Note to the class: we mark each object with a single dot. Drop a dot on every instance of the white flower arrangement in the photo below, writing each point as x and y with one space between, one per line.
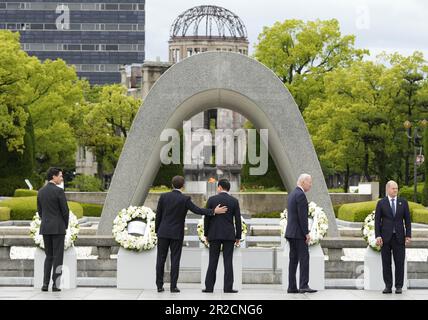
203 239
70 236
317 223
128 241
369 232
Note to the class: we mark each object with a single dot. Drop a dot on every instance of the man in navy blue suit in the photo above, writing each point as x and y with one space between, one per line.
170 220
224 230
297 234
390 214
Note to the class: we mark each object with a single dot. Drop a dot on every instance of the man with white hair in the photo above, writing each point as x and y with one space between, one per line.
297 234
390 214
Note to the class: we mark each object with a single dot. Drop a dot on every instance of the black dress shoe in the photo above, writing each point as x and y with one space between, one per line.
398 290
175 290
161 289
231 291
307 290
45 288
55 289
292 291
387 290
207 291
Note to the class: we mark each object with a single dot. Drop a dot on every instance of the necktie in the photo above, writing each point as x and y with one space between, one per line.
393 206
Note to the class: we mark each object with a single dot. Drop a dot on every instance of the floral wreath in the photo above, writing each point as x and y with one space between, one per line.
203 239
317 223
70 235
128 241
369 232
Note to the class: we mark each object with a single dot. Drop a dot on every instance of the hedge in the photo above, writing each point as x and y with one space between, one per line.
336 208
91 210
19 193
420 216
407 192
357 212
275 214
24 208
4 214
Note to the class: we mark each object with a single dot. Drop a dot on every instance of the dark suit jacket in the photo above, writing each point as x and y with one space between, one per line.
221 227
385 222
53 210
297 218
171 214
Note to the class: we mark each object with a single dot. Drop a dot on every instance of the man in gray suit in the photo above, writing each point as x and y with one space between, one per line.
53 211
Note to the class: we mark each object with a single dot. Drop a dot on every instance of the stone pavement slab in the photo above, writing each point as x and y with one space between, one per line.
193 292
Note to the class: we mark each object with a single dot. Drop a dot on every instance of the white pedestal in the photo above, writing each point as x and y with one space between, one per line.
373 273
316 267
237 269
136 270
69 269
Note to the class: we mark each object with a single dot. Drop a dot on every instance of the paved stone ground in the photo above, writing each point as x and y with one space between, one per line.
193 292
350 254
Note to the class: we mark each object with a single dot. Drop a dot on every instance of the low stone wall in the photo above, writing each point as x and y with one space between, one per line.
250 203
260 265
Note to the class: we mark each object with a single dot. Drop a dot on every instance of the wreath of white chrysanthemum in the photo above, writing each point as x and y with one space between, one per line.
369 232
130 242
203 239
317 223
70 236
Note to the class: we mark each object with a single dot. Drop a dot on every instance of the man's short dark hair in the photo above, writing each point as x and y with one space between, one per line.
224 184
52 172
178 182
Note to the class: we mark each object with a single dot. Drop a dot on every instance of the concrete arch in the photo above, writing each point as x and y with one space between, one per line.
207 81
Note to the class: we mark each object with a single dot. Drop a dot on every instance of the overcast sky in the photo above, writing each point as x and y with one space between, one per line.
390 25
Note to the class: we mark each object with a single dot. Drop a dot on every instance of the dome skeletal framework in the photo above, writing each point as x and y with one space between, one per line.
208 21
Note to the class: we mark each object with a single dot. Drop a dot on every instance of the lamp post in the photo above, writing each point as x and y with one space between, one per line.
416 140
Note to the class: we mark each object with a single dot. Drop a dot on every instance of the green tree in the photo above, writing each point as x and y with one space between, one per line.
302 53
354 126
55 99
15 69
105 124
412 100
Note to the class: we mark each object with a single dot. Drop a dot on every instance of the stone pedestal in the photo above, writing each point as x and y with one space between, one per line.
136 270
316 267
373 274
69 269
237 269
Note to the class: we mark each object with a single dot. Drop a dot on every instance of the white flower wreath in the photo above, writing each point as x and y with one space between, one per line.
128 241
203 239
317 223
369 232
70 236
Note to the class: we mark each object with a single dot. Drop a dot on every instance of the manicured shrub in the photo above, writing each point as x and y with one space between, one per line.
357 212
4 214
92 210
24 208
19 193
420 216
86 183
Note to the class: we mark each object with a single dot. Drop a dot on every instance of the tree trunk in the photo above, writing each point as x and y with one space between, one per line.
346 181
366 164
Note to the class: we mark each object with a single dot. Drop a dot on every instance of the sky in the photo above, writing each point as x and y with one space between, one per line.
379 25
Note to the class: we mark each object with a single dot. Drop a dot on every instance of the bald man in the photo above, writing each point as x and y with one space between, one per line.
391 212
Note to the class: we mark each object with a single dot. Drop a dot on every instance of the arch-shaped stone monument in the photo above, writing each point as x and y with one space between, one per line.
208 81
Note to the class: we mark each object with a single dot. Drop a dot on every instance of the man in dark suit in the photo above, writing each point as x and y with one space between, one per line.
53 211
390 213
170 219
297 234
222 231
